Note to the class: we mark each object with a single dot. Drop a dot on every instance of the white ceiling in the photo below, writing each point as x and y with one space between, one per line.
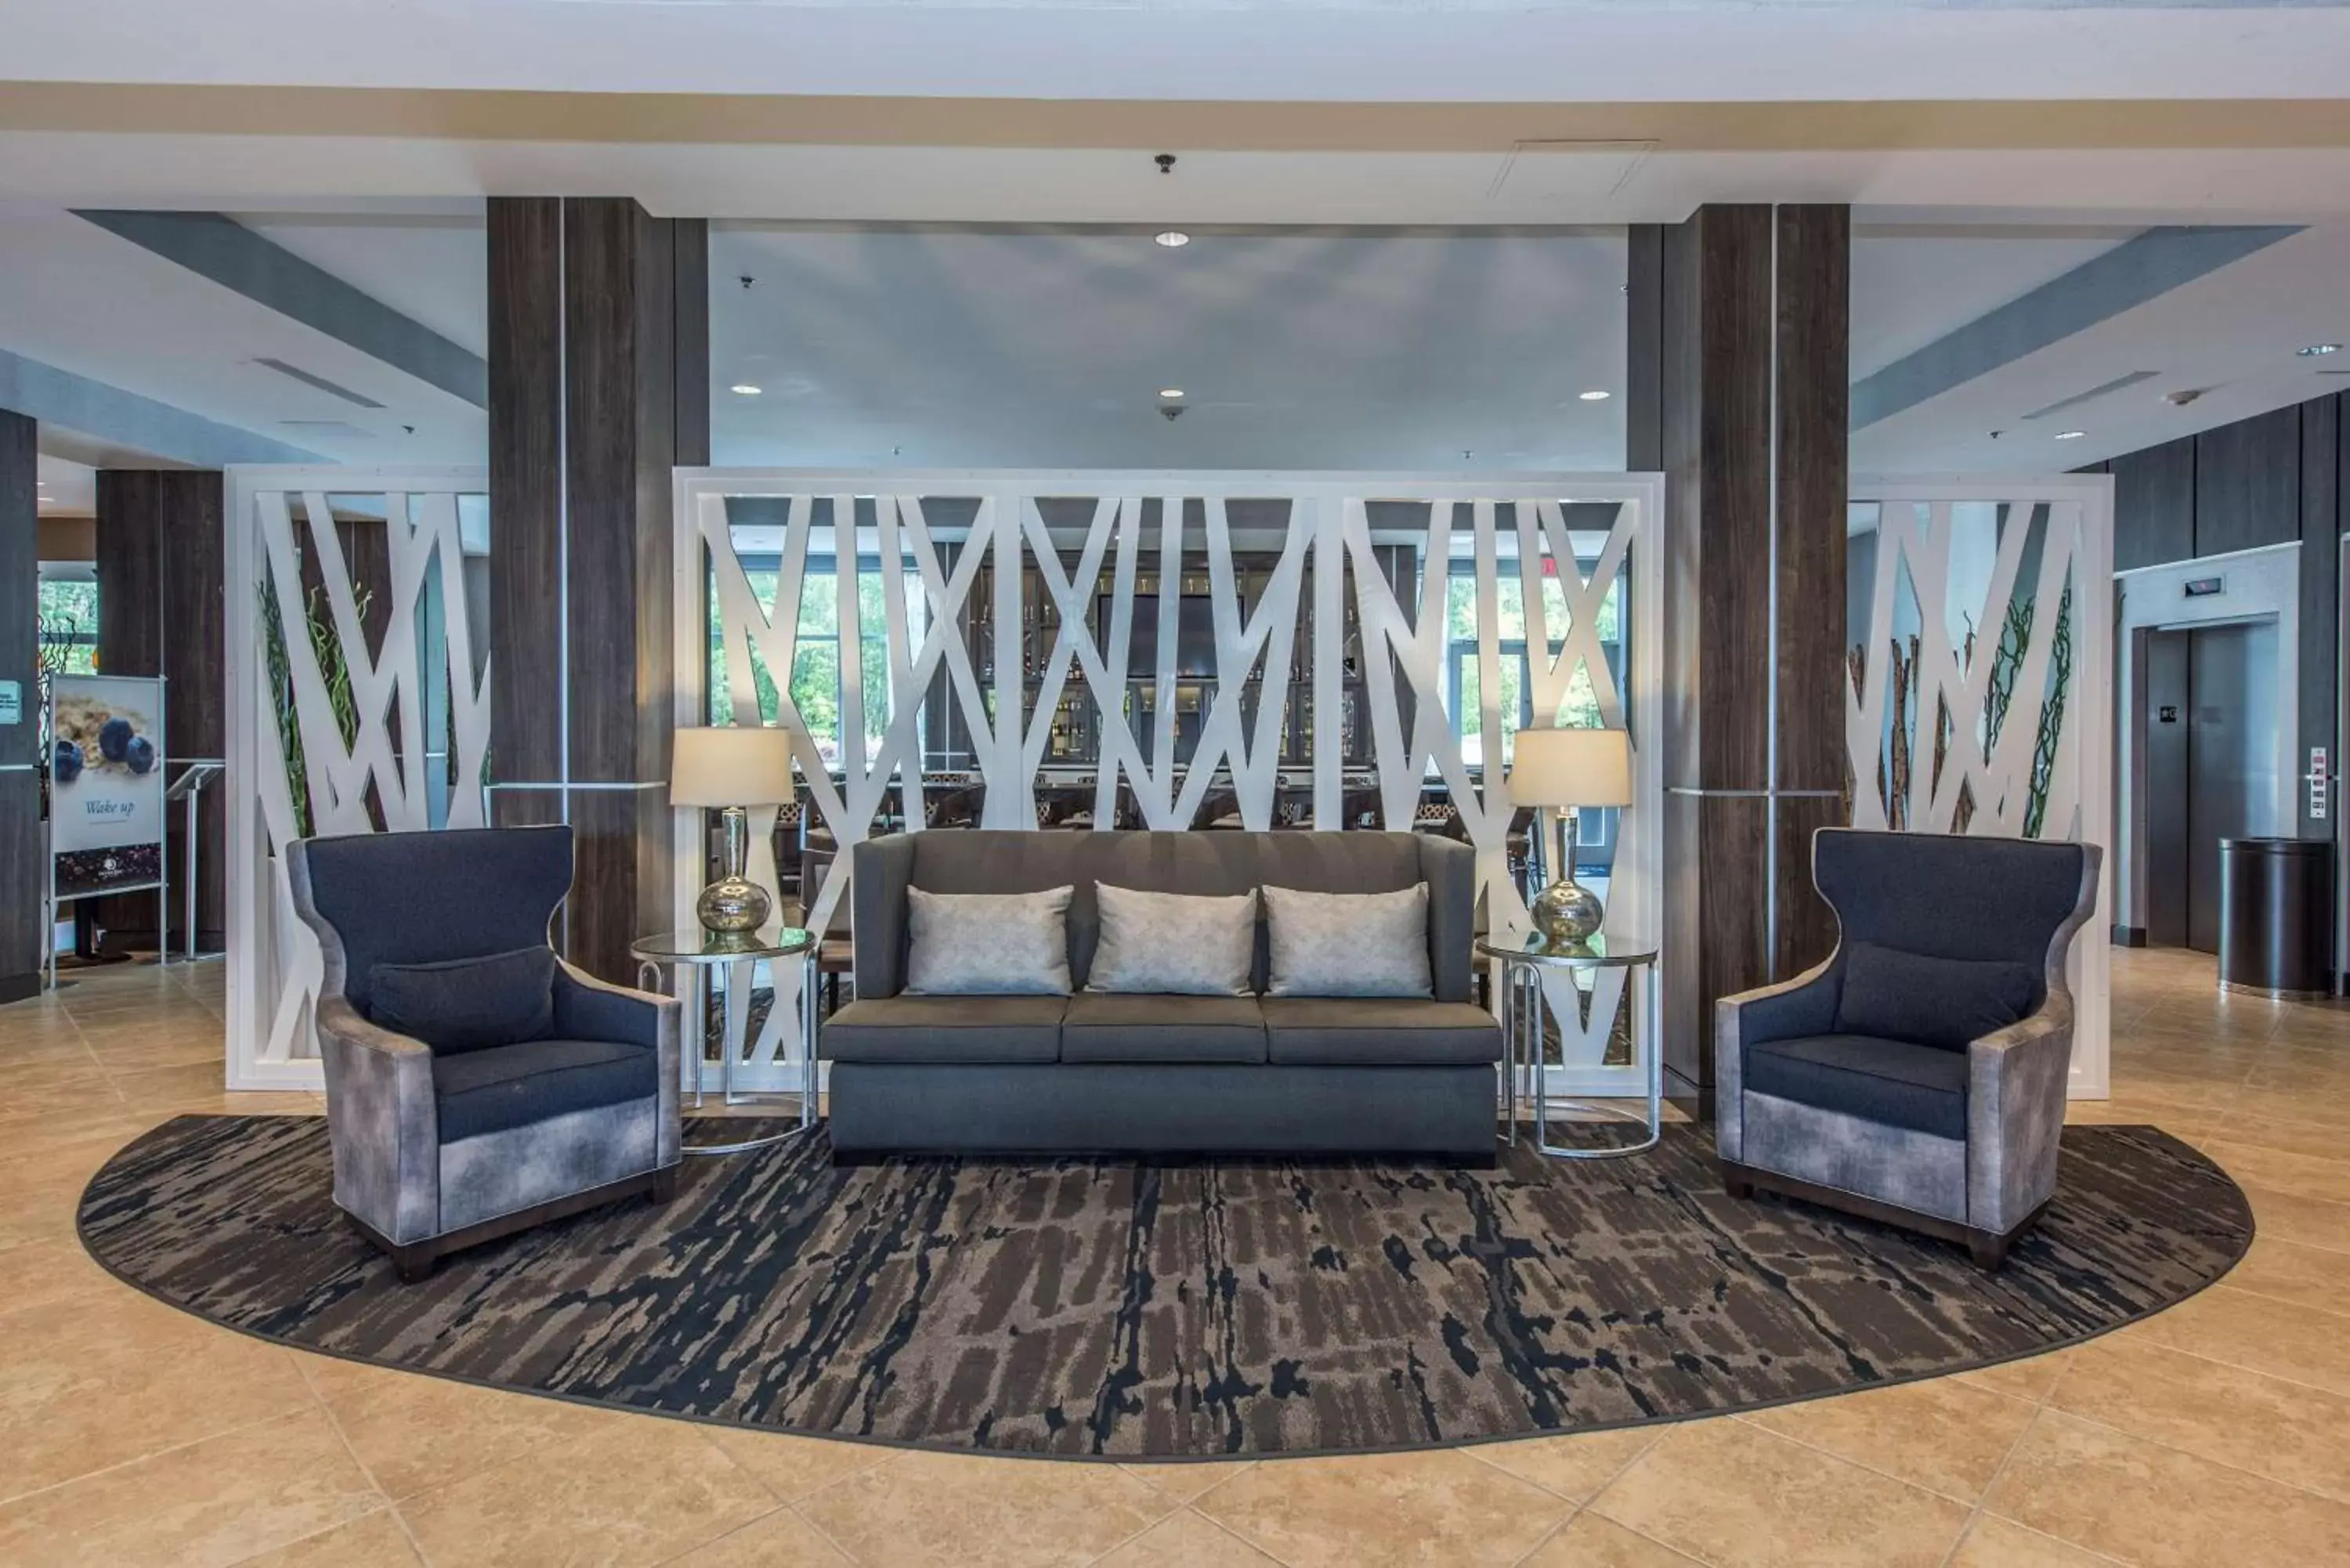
1352 50
82 300
429 266
959 350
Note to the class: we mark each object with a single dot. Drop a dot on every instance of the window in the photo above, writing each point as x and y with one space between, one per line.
815 678
1581 707
67 616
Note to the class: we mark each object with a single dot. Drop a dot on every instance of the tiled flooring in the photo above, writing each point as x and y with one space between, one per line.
2218 1433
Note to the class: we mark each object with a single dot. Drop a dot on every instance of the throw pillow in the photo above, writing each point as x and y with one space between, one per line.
988 944
1349 944
1937 1001
467 1005
1174 943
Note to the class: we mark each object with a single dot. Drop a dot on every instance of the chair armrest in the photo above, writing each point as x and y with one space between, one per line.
586 1008
2015 1114
383 1123
1805 1005
882 869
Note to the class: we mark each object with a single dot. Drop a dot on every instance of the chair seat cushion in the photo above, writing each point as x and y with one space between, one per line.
507 1086
1373 1031
943 1029
1890 1082
1142 1027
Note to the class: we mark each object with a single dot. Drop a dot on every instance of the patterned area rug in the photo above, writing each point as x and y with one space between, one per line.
1087 1308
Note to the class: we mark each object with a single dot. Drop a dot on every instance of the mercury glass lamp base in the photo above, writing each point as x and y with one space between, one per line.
1566 914
733 904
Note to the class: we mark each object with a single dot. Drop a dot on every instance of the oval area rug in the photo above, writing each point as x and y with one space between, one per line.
1106 1309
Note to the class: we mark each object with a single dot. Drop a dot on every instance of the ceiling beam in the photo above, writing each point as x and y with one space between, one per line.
2138 269
109 414
217 246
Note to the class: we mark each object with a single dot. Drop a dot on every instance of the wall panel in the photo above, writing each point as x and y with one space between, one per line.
2248 483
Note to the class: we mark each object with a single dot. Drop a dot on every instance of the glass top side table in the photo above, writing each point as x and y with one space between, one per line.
1523 969
736 955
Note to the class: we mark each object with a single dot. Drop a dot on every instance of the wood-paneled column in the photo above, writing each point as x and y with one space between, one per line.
598 384
1738 392
24 882
161 611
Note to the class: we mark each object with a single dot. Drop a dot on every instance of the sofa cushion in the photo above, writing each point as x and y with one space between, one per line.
1124 1027
1160 944
1891 1082
946 1029
988 944
1370 1032
1939 1001
505 1086
1349 944
467 1003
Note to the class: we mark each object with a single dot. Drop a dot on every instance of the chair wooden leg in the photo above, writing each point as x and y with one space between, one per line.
413 1263
664 1186
1736 1185
1989 1249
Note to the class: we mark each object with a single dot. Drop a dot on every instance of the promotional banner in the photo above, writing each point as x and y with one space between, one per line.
105 775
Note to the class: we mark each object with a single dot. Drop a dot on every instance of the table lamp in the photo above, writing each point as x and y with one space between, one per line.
1567 769
730 768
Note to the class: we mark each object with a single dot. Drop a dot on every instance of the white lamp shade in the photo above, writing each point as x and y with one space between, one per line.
731 765
1571 767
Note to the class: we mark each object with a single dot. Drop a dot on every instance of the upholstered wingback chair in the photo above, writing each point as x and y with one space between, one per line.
1919 1075
475 1082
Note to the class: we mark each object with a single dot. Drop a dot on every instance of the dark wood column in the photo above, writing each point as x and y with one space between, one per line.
598 384
1738 393
161 612
24 882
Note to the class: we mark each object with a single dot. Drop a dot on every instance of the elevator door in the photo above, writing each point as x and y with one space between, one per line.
2209 720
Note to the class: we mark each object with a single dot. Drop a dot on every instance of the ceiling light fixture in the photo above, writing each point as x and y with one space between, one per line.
2070 435
1173 239
1171 393
1596 395
2315 350
744 389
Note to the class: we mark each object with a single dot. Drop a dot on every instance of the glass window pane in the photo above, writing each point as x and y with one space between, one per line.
816 691
820 604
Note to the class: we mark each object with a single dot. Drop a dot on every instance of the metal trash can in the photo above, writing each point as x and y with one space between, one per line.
2276 915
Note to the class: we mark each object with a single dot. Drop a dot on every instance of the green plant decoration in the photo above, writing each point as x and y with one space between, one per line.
327 648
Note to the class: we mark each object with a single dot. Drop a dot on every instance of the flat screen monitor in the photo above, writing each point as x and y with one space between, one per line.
1195 635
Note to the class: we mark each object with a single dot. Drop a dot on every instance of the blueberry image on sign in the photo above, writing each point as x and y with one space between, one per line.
114 740
68 762
141 755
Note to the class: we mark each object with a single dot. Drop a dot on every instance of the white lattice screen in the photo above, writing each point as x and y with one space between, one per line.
330 730
1980 696
929 537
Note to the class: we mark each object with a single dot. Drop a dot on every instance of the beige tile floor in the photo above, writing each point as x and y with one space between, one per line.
2218 1433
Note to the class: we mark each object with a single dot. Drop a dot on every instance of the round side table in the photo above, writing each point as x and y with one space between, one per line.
1522 970
734 955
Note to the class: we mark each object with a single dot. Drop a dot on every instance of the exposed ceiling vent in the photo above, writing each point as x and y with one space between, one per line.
297 373
328 427
2077 399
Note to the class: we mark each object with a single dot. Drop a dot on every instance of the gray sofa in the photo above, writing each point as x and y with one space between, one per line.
1092 1073
439 1149
1941 1110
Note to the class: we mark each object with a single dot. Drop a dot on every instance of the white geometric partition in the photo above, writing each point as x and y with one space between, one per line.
1321 534
1980 696
301 674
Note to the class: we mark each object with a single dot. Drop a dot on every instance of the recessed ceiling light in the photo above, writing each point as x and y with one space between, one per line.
744 389
1173 239
2315 349
1596 395
2070 435
1171 393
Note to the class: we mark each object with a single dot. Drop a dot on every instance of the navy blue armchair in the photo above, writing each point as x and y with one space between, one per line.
476 1084
1918 1074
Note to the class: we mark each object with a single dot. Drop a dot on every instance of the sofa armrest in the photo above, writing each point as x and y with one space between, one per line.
1450 869
1805 1005
383 1123
881 870
2015 1115
586 1008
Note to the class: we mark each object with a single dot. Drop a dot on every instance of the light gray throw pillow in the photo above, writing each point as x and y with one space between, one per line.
1174 943
1349 944
988 944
